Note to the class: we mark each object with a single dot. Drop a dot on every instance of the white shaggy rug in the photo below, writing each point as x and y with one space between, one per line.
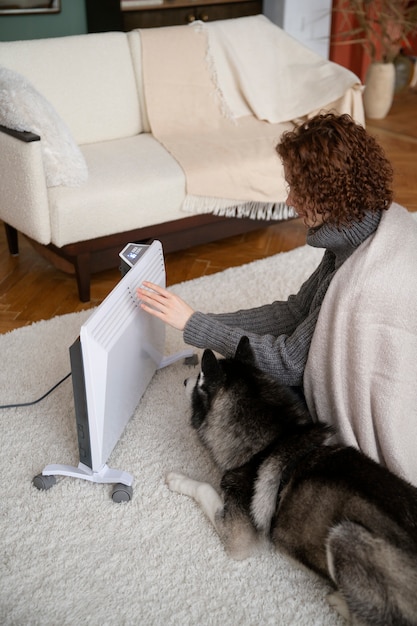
71 556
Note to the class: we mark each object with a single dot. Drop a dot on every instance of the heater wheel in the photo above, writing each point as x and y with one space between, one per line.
43 483
122 493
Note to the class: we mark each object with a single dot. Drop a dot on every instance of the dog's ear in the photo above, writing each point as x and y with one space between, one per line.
244 352
209 364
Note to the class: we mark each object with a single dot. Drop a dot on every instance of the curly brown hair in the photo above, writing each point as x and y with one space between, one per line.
336 169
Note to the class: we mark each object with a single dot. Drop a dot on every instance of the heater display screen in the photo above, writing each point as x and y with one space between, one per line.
132 252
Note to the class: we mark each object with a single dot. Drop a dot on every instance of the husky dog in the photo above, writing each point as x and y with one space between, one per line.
327 506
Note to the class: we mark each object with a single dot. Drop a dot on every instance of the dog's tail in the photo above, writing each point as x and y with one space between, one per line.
377 579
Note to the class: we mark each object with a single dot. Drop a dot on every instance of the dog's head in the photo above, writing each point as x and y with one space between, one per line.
237 409
217 375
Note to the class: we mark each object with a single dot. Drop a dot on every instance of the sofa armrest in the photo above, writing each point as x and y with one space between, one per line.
24 194
23 135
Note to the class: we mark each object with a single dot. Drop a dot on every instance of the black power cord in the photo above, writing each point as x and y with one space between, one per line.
13 406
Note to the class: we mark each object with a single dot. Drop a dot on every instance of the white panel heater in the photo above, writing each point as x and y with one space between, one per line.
112 362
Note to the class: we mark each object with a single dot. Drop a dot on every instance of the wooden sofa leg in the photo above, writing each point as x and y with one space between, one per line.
12 239
83 275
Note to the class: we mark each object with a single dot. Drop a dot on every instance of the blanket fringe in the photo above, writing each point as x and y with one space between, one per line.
227 208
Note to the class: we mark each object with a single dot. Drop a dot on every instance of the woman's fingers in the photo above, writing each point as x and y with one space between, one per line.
165 305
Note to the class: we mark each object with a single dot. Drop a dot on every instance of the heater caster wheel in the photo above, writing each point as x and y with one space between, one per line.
121 493
43 483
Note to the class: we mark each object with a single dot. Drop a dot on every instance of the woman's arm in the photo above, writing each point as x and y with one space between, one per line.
283 357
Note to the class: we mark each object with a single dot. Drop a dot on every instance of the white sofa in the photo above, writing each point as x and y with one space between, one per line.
134 190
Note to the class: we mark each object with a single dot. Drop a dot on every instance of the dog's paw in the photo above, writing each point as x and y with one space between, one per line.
338 602
176 482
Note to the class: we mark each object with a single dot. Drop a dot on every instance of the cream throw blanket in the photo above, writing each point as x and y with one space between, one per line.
361 373
219 97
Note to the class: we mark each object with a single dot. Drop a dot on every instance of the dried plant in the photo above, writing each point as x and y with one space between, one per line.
382 27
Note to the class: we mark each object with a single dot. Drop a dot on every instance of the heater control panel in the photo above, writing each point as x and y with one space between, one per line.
130 255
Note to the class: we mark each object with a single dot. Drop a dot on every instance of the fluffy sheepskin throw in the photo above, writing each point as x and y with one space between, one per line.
23 108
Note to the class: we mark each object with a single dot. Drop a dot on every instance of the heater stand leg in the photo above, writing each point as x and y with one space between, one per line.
123 481
173 358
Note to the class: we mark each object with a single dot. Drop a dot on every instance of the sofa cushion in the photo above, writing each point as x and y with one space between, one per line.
133 182
89 79
23 108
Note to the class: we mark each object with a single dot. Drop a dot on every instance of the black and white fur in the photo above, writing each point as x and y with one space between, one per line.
328 506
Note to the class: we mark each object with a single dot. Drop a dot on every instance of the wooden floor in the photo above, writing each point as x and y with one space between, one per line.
31 289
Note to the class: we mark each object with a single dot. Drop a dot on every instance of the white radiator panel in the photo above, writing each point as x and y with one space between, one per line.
122 346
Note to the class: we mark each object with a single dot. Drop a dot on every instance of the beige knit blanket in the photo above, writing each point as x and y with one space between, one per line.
220 95
361 373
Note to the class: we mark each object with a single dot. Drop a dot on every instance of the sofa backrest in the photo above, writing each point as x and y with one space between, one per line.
133 37
89 79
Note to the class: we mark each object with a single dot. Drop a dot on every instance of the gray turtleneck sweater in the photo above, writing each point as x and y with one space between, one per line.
280 333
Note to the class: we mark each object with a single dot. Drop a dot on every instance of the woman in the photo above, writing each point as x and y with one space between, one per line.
348 338
339 183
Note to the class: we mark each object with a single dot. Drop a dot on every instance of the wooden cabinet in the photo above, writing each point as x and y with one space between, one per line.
108 15
170 15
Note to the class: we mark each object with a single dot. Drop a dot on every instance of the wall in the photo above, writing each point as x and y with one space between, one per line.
70 21
309 21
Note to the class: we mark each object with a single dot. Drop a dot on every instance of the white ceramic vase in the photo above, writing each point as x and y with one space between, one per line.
379 90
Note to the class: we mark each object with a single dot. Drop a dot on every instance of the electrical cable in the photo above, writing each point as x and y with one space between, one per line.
13 406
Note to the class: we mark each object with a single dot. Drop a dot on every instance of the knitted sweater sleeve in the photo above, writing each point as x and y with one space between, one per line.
280 333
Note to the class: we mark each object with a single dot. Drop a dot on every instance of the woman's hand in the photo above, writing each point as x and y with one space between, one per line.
164 305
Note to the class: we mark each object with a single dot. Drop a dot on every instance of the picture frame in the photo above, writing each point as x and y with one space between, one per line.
22 7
